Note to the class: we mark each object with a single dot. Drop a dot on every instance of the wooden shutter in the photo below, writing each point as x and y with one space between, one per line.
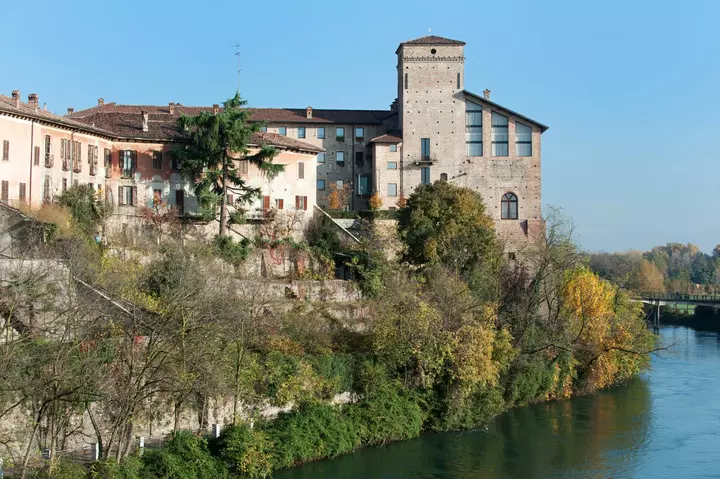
121 197
297 202
133 155
6 150
280 204
266 202
301 170
37 156
22 189
304 200
133 199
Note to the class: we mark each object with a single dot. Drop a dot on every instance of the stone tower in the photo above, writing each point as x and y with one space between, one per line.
431 108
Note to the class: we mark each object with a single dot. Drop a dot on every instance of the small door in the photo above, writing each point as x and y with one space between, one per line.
180 201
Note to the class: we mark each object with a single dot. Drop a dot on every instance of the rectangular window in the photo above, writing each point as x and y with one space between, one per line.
180 202
363 185
157 160
5 195
243 167
64 185
126 195
108 163
473 129
321 158
425 149
425 175
339 184
6 150
359 158
77 156
127 163
282 130
301 202
392 165
36 159
279 204
301 171
359 133
46 189
301 132
340 133
340 158
22 192
48 158
393 148
392 189
321 185
523 140
499 135
321 132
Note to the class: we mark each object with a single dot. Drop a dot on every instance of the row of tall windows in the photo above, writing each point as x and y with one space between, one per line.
320 132
499 133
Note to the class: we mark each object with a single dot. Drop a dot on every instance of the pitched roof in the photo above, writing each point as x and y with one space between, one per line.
387 139
433 40
7 105
289 115
262 138
492 103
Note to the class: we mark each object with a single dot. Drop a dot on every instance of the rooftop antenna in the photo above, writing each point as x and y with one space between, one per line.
237 54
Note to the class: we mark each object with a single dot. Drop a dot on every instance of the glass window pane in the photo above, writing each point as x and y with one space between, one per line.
499 149
321 185
340 131
359 132
474 149
393 148
282 131
524 149
392 189
301 132
513 210
321 132
392 165
340 157
321 158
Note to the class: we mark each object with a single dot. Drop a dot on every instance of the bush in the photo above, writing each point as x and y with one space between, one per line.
63 469
313 431
128 468
232 252
246 452
184 456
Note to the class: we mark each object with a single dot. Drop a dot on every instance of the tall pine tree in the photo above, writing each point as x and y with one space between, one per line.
218 142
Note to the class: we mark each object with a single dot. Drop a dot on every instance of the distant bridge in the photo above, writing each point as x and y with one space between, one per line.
663 299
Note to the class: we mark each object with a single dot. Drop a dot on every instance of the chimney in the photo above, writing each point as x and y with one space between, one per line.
101 101
33 101
216 109
308 112
145 118
16 98
70 110
45 106
486 94
172 108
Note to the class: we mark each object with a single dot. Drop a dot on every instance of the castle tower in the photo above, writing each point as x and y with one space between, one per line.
431 108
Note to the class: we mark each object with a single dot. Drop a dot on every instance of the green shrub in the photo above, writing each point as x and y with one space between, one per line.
313 431
184 456
232 252
246 452
63 469
128 468
337 368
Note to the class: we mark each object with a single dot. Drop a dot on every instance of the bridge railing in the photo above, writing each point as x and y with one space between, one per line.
652 296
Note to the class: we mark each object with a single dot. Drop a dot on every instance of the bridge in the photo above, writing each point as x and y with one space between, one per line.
662 299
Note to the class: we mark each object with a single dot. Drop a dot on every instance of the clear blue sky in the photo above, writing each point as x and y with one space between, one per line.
630 89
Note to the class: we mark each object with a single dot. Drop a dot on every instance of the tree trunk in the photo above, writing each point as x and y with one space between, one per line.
223 199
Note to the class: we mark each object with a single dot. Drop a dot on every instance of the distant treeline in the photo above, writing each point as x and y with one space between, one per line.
674 267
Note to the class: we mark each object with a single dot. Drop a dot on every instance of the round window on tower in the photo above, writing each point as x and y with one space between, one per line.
433 51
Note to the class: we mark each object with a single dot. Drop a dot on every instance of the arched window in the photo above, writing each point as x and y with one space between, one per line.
509 206
443 176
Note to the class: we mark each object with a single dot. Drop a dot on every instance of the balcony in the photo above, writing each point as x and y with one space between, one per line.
422 159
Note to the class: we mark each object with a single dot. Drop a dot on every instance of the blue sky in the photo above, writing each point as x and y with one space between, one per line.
630 89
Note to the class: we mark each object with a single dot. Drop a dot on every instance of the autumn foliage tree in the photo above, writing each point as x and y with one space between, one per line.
339 196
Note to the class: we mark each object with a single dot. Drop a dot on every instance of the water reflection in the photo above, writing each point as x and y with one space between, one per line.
663 424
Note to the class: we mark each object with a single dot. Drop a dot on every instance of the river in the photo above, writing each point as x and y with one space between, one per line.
665 423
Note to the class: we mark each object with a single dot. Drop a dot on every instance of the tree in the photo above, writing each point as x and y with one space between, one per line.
375 201
444 223
86 207
339 195
647 277
217 143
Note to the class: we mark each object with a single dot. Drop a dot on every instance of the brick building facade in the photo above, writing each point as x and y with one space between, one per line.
434 130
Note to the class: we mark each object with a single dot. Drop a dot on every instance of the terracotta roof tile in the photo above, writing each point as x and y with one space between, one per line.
387 139
289 115
433 40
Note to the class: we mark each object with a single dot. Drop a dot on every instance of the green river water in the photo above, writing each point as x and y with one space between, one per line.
663 424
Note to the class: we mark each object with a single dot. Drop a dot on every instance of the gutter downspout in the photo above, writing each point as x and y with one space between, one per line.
353 181
32 144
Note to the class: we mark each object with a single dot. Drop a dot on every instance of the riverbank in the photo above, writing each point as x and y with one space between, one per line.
702 319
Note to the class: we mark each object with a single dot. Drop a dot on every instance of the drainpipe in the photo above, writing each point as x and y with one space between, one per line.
353 181
32 144
72 158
